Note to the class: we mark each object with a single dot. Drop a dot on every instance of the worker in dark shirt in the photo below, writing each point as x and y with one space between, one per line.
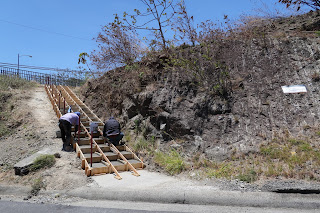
112 131
65 123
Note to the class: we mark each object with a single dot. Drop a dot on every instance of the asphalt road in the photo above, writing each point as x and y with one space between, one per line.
125 207
24 207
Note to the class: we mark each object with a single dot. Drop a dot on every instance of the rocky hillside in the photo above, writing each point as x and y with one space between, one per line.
222 97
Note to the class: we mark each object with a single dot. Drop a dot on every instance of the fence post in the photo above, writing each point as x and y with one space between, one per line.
91 145
79 130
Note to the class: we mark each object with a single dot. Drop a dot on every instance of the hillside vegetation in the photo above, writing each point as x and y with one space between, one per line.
8 97
216 109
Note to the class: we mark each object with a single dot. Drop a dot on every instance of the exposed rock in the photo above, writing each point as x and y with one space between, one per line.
179 106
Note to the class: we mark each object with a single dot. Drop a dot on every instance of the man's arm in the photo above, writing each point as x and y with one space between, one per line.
76 128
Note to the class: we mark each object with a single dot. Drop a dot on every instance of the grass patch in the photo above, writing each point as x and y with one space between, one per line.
3 129
172 162
7 82
248 176
143 144
221 170
43 161
287 158
37 185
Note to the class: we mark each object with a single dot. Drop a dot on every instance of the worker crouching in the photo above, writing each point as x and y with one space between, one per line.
112 131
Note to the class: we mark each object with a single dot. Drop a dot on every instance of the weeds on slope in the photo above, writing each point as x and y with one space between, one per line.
296 158
43 161
171 161
7 84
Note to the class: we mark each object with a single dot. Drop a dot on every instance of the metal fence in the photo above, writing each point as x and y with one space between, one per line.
42 78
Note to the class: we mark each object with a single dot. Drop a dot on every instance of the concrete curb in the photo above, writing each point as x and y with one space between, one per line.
203 197
22 167
185 196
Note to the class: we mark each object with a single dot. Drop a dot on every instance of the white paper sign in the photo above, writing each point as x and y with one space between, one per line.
294 89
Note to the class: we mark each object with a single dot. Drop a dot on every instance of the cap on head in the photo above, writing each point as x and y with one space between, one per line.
78 113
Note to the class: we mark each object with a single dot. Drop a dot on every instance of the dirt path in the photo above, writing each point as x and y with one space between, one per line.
38 131
41 108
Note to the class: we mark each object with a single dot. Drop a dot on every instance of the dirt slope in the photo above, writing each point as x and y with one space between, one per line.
37 131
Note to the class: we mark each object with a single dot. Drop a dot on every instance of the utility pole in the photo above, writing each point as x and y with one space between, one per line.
18 64
18 61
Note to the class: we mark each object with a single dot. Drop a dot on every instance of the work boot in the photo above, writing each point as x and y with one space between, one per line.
68 149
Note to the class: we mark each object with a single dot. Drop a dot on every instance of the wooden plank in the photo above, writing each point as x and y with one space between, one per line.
135 156
135 173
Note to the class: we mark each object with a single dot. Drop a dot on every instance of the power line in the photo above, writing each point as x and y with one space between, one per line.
36 67
47 31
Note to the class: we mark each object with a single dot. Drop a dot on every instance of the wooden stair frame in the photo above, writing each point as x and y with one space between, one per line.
125 161
60 94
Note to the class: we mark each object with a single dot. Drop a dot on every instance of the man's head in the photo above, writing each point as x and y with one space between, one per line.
77 113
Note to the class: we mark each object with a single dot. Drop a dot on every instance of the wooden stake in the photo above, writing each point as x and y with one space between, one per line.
91 145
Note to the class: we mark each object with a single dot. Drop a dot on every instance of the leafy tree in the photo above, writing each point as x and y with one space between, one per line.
315 4
83 60
184 23
83 72
157 17
118 45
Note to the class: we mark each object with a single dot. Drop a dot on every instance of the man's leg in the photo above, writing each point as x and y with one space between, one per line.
67 131
116 139
63 134
120 138
68 134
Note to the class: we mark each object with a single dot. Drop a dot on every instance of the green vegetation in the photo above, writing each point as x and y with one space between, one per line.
222 170
137 125
172 161
3 129
144 145
289 158
43 161
248 176
37 185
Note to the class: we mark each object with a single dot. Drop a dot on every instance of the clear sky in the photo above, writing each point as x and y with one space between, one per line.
55 32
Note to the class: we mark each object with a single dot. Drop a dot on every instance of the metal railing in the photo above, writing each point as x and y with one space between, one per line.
42 78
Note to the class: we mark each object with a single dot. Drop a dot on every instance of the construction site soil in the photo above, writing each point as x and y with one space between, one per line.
37 130
184 114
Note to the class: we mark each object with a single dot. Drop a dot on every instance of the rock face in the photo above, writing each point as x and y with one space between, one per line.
172 105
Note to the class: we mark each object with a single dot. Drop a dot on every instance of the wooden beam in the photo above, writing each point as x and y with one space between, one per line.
135 173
